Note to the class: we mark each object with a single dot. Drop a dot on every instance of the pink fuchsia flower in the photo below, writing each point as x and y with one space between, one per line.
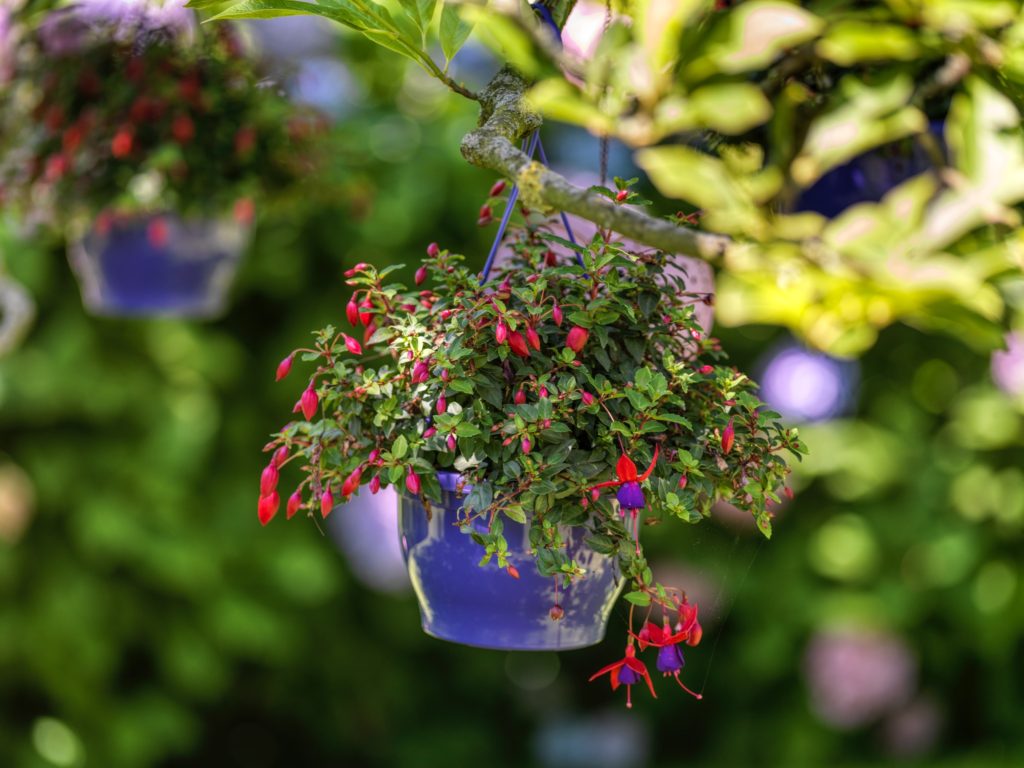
577 338
267 507
352 311
429 432
326 502
375 484
497 188
501 332
518 345
556 315
670 656
433 249
451 443
412 482
268 480
525 445
520 397
365 316
628 671
532 338
420 372
728 435
630 495
284 367
421 275
309 402
588 399
351 484
441 405
352 345
294 505
280 456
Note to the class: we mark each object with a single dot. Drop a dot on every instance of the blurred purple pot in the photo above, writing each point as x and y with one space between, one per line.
158 265
484 606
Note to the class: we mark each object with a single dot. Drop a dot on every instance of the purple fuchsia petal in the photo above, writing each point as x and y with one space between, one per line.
670 659
628 677
630 496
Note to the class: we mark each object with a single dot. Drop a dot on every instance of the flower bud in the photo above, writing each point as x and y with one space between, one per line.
421 275
543 392
445 374
294 505
556 612
556 315
551 259
519 397
326 502
787 492
546 424
532 338
420 372
429 432
682 482
595 494
518 344
284 367
365 316
498 188
352 345
412 482
280 455
268 480
357 268
577 338
442 405
621 195
588 399
373 456
309 402
486 212
451 443
375 484
707 370
501 332
728 434
351 484
525 446
352 311
267 507
512 571
433 249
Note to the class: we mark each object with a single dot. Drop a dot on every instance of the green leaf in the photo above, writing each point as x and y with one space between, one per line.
400 447
454 30
515 513
641 599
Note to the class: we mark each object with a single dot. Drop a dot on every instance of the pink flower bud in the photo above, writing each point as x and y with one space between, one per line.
433 249
294 505
451 443
532 338
442 405
728 434
284 366
551 259
375 484
546 424
352 311
362 265
556 613
412 482
308 402
595 494
374 455
787 492
519 397
588 399
326 502
518 344
512 571
368 333
420 372
421 275
445 374
279 456
268 480
525 446
621 195
351 484
486 212
498 188
577 338
352 345
429 432
682 482
707 370
501 332
267 507
543 392
364 316
556 315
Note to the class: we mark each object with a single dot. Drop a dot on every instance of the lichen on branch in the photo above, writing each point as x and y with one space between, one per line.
505 118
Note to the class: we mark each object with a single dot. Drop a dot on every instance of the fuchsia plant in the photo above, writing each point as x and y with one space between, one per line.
541 387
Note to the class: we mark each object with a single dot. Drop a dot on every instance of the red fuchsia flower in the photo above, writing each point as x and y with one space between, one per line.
368 333
326 502
532 338
728 435
556 315
501 332
268 479
284 367
551 259
364 316
421 275
352 345
621 195
122 143
267 507
543 392
308 402
294 505
351 484
630 496
577 338
707 370
517 344
525 445
429 432
588 399
374 484
486 216
682 482
451 443
412 482
280 456
670 656
628 672
352 311
433 249
498 188
519 397
442 405
420 372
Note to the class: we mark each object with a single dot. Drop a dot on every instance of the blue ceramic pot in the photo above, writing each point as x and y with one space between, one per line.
158 265
868 177
483 606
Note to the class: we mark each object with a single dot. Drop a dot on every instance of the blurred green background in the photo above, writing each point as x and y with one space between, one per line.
146 619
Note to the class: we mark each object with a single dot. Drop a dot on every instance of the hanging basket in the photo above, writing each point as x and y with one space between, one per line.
157 265
464 602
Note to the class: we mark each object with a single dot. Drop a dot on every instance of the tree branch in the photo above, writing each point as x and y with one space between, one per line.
505 119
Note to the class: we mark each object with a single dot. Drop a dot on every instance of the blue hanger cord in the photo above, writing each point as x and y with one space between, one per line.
509 207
